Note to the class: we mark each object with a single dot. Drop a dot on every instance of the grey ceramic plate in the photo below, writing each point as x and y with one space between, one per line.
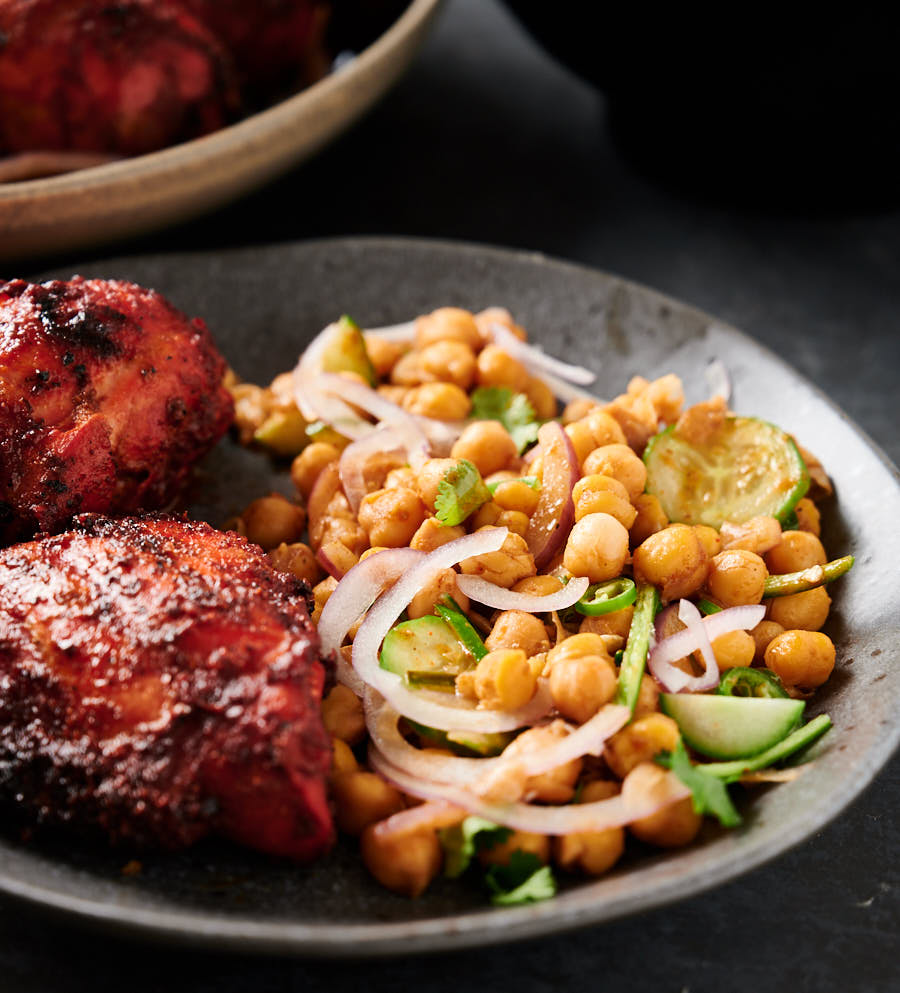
121 199
263 304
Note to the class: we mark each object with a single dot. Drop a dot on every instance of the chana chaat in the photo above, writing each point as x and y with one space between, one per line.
549 632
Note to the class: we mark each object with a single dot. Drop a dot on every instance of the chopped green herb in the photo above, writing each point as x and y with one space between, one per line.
523 880
709 793
462 841
512 410
460 493
531 481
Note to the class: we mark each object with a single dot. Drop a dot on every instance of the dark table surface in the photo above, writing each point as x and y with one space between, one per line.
489 140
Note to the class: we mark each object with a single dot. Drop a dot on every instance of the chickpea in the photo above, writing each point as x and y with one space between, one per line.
518 841
649 519
639 741
808 517
402 476
737 577
431 534
403 863
504 680
309 463
395 394
430 477
442 401
597 548
449 362
516 495
423 603
797 550
496 368
605 429
620 462
807 610
709 538
667 396
487 445
272 520
342 715
344 531
407 371
487 516
383 354
541 398
298 560
759 534
617 623
518 629
515 520
762 634
674 560
251 407
557 785
342 757
484 319
578 645
648 697
361 798
581 685
391 517
591 852
736 648
505 567
538 585
448 324
577 409
675 824
582 439
603 495
321 592
804 659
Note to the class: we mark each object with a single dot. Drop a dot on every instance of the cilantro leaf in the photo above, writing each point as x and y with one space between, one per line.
709 794
512 410
463 840
460 493
523 880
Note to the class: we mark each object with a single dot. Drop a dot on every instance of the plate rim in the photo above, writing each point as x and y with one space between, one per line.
573 909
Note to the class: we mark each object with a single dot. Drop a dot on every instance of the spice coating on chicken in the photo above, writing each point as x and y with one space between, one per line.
108 395
161 682
121 76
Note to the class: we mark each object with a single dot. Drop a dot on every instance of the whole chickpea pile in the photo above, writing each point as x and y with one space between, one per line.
619 529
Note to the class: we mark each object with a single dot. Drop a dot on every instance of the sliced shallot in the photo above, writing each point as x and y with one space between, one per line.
500 598
697 637
617 811
352 464
554 515
537 361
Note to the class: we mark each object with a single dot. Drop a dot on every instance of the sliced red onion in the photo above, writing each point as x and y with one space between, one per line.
491 595
430 816
435 710
536 360
554 515
352 465
399 333
381 721
352 597
718 379
617 811
696 637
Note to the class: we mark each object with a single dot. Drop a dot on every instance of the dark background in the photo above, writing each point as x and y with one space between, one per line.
488 139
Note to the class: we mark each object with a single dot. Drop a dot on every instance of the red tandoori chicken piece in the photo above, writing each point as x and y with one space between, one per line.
161 682
117 76
108 395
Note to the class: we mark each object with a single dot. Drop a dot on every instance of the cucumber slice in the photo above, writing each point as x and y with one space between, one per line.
346 351
425 645
749 468
794 742
465 742
462 626
731 727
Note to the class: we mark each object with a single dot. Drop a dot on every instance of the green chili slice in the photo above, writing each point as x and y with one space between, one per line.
744 681
462 627
635 656
807 579
605 598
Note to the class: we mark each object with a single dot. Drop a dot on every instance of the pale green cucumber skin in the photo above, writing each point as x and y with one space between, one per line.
796 741
396 657
725 727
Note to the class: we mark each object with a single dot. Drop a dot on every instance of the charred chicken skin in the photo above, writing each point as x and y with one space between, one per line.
117 76
161 682
108 395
